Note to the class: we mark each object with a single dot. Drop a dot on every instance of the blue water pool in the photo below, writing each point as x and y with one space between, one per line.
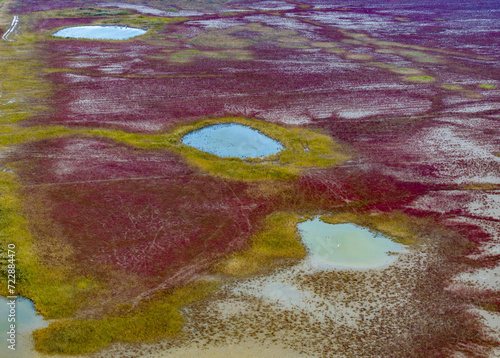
232 140
93 32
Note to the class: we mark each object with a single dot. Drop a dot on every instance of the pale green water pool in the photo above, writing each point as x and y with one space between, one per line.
346 246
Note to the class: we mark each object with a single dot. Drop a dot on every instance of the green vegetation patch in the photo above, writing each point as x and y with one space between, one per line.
334 50
405 71
382 65
385 50
420 56
397 226
53 288
231 37
487 86
324 44
190 55
22 89
86 12
220 39
49 283
151 321
422 79
453 87
277 240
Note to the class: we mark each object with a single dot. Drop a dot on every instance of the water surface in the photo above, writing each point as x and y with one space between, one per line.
26 321
346 246
93 32
232 140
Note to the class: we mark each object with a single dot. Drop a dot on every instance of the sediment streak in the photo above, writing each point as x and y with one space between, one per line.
11 28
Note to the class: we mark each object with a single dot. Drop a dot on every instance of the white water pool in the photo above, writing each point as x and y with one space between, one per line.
93 32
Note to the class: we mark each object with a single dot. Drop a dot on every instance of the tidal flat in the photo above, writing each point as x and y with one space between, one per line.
369 226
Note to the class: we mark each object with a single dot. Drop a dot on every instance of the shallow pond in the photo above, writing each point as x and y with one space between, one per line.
232 140
346 246
26 321
100 32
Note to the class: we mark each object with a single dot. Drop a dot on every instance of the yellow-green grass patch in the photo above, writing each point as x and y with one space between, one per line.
190 55
453 87
151 321
397 226
382 65
55 291
84 12
277 241
420 56
334 50
352 42
21 86
220 39
414 50
293 39
480 186
405 71
324 44
357 35
385 50
108 15
421 79
487 86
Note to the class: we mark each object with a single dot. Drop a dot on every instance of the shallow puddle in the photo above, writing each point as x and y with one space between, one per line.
345 246
100 32
26 321
232 140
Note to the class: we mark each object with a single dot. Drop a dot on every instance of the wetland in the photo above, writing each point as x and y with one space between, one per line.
252 177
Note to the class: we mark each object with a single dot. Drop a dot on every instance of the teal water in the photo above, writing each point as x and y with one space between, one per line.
346 246
100 32
232 140
26 321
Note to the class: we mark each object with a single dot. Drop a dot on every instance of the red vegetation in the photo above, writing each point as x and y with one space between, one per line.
416 146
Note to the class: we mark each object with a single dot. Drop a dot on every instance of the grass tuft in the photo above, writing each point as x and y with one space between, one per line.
487 86
156 319
397 226
277 240
421 79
